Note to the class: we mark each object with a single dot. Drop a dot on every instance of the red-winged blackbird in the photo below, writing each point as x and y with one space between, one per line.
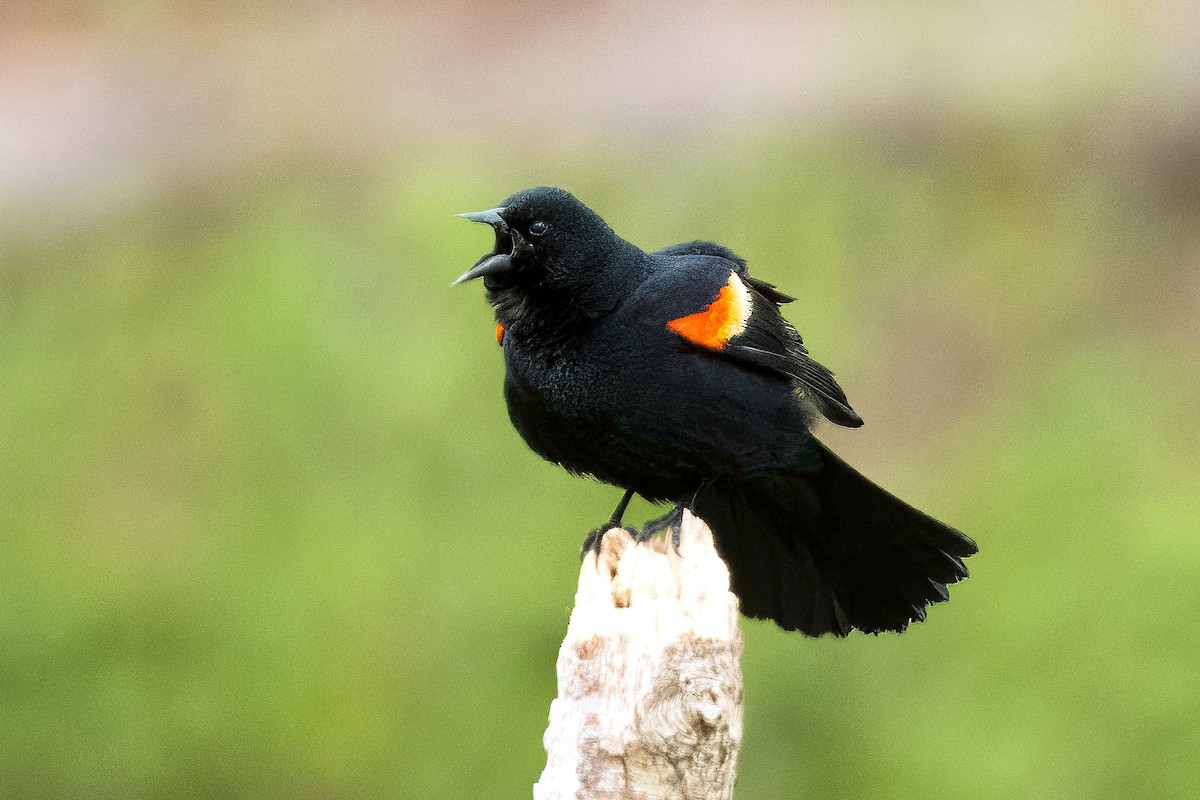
674 375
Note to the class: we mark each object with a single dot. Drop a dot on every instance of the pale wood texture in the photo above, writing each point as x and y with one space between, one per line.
649 676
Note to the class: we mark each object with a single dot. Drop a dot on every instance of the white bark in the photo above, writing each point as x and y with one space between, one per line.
649 676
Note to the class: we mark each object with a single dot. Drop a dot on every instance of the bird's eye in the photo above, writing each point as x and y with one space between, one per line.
538 228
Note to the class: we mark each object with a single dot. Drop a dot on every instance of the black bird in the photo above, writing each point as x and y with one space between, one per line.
673 375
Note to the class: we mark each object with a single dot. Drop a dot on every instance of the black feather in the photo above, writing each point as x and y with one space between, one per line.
826 550
600 380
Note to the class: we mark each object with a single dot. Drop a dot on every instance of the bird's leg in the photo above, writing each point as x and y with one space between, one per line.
672 519
596 536
677 522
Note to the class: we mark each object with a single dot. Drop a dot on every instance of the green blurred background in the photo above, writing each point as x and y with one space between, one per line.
266 529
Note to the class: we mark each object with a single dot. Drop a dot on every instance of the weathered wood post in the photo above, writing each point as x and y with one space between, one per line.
649 699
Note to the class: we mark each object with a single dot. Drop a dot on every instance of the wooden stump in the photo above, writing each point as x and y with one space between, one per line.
649 699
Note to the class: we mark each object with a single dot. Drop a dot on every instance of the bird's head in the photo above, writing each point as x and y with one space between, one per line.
546 239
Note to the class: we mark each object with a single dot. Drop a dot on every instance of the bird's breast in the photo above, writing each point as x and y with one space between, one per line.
555 390
572 408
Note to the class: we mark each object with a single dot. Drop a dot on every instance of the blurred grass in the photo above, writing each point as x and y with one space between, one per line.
268 531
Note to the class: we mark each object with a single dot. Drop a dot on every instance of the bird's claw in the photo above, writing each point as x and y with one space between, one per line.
595 538
673 519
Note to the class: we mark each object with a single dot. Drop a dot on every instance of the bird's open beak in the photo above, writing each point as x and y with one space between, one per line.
500 259
490 217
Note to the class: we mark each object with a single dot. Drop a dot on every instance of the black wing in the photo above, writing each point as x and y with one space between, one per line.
769 341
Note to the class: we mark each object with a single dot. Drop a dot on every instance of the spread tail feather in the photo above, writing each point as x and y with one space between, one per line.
827 551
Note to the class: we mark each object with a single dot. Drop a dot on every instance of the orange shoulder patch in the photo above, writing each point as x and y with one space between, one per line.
724 318
499 334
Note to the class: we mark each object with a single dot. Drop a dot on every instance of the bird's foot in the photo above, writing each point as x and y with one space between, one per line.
673 519
595 538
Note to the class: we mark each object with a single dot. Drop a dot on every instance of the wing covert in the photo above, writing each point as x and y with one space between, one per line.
743 323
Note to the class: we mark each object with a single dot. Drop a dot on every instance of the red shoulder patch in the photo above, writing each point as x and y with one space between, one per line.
499 334
723 319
